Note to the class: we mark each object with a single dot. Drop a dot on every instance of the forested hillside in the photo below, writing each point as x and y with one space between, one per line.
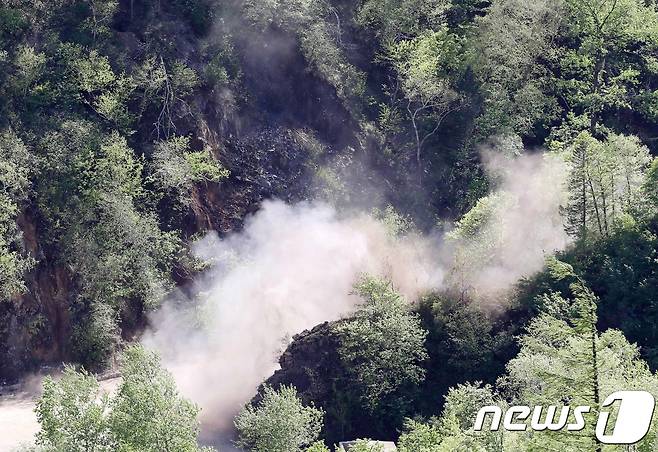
501 131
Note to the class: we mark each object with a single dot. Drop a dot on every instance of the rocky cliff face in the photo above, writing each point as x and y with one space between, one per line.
35 325
308 363
259 133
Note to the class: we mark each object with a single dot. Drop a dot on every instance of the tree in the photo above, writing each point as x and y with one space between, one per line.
278 423
605 181
318 446
425 66
73 414
146 414
96 337
101 13
395 20
510 44
176 168
453 430
318 27
89 197
99 87
15 163
420 437
164 87
363 445
565 360
29 65
575 369
597 73
476 238
651 186
382 346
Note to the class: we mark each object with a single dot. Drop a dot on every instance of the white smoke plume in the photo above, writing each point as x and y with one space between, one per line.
509 233
293 267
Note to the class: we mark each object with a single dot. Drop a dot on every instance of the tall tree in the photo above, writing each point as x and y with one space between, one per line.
565 360
613 44
426 67
511 44
148 414
605 181
73 414
395 20
383 347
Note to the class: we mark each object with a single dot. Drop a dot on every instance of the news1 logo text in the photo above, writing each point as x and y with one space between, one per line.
632 424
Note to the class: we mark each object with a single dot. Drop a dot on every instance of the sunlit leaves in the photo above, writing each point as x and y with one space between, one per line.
279 423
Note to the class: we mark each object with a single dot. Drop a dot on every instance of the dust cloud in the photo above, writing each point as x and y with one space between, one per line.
508 235
293 267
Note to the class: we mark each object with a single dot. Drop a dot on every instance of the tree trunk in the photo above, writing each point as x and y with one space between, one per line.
595 370
596 87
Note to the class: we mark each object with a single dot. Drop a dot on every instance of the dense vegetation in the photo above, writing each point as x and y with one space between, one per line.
128 127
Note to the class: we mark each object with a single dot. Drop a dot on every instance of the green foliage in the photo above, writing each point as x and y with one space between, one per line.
164 88
363 445
15 163
383 347
108 99
598 74
419 437
95 339
92 184
620 268
318 447
106 92
605 181
465 340
396 224
309 20
515 86
564 355
145 414
176 168
170 167
203 167
279 423
28 66
148 414
392 20
101 13
74 414
426 66
651 185
453 431
562 359
95 191
330 63
425 62
88 90
12 22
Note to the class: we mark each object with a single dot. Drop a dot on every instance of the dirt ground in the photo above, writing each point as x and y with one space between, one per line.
18 423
